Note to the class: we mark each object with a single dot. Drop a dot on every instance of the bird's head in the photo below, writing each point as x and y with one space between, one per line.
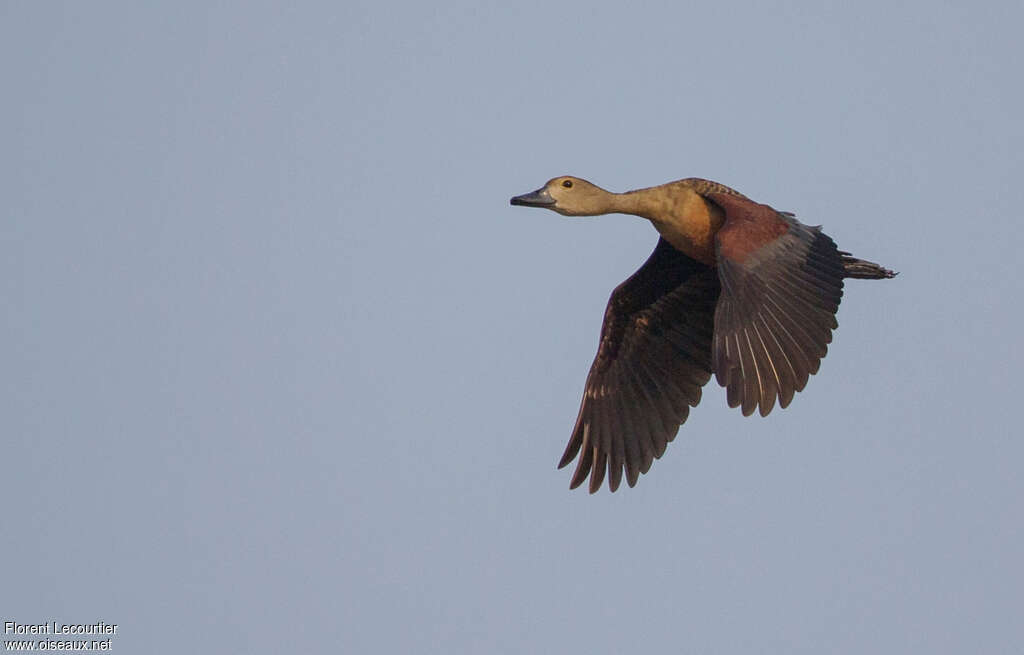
569 196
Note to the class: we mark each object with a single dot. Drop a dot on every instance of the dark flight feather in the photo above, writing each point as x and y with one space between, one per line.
782 282
653 359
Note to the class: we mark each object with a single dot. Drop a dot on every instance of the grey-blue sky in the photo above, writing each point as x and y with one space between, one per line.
280 362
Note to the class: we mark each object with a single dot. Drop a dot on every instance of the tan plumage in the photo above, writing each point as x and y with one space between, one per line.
733 288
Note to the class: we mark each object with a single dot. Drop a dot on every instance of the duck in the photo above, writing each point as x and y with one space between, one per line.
734 288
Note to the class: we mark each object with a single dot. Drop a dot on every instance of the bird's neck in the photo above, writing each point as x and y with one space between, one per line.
680 214
624 203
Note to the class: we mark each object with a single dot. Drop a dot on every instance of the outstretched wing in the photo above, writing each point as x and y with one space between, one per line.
781 286
653 359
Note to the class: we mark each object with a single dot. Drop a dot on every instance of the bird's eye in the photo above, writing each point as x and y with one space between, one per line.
567 184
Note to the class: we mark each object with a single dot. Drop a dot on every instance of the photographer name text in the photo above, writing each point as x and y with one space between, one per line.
58 628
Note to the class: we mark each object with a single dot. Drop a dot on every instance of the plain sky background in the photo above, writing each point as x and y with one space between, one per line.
283 371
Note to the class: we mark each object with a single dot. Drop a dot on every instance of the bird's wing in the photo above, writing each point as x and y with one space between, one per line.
781 286
653 359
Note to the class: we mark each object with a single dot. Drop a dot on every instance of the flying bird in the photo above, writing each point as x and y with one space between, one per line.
733 287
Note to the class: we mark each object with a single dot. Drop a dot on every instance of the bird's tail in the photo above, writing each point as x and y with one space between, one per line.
863 269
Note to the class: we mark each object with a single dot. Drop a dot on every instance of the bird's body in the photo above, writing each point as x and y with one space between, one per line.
683 217
733 288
